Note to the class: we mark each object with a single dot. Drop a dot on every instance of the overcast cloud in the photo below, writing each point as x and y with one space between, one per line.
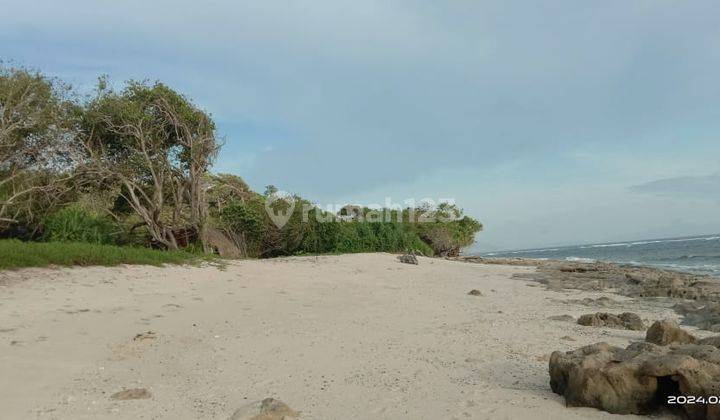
537 117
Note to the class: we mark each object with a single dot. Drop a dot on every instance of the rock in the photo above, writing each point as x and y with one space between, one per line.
567 338
705 315
601 301
475 292
625 320
149 335
267 409
667 332
563 318
638 378
408 259
630 281
131 394
710 341
577 268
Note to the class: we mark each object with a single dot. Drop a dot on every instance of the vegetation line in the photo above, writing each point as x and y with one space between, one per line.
132 167
19 254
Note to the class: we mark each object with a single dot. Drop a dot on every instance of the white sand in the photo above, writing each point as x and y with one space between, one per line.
354 336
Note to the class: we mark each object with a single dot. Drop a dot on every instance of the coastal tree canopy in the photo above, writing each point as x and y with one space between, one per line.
132 166
157 146
36 144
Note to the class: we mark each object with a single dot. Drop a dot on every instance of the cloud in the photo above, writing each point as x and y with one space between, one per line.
690 186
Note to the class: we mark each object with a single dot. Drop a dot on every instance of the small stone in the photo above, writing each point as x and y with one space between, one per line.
131 394
475 292
149 335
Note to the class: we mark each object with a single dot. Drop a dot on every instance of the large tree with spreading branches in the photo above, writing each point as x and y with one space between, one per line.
156 146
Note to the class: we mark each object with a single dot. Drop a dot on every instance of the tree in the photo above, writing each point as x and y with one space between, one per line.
37 148
446 229
270 190
158 146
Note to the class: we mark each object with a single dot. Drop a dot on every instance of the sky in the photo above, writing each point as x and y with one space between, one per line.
553 122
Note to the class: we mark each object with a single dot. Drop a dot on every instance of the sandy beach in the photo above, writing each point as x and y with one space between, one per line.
353 336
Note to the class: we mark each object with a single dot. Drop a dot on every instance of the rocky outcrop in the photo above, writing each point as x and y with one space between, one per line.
697 297
623 321
639 378
667 332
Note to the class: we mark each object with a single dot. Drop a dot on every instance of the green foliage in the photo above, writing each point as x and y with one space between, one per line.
318 232
17 254
30 105
224 189
142 105
270 190
36 145
446 230
142 153
245 220
75 224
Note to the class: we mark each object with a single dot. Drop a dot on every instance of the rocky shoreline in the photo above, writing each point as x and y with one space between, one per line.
671 370
695 297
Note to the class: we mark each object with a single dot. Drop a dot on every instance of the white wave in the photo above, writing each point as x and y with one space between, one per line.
580 259
657 241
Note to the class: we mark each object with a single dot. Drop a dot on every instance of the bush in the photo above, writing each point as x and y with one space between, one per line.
246 222
74 224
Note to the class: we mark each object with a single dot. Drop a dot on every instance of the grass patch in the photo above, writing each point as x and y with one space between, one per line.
17 254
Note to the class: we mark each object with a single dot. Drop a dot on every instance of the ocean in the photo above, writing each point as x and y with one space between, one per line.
696 254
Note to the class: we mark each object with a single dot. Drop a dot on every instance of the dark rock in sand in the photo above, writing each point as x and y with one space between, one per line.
408 259
475 292
131 394
667 332
267 409
639 378
149 335
625 321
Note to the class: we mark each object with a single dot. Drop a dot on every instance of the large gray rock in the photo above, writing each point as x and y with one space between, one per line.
639 378
624 321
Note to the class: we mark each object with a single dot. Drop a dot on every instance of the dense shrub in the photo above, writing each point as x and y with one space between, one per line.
74 224
250 221
246 222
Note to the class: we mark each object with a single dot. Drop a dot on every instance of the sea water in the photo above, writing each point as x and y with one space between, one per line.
696 254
